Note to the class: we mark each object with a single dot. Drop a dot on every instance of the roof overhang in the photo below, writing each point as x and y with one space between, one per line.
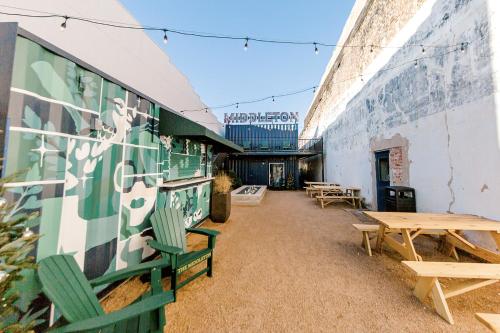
174 124
278 153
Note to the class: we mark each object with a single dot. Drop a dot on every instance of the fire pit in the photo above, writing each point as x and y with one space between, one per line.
248 195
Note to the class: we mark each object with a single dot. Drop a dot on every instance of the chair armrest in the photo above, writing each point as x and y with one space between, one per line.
207 232
164 248
125 273
149 304
201 231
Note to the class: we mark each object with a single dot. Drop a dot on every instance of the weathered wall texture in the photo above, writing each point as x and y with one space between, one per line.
444 111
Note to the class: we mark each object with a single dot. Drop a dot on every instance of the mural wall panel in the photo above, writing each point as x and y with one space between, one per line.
90 161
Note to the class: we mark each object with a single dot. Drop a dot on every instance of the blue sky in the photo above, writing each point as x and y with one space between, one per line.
221 72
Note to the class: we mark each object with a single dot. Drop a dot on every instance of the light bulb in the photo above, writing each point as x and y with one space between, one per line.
237 105
314 90
423 48
416 63
165 37
462 47
371 48
63 25
246 44
273 98
362 80
316 50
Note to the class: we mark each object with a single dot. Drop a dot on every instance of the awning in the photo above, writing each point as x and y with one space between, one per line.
174 124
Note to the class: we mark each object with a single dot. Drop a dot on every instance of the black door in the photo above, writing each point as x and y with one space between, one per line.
383 177
257 173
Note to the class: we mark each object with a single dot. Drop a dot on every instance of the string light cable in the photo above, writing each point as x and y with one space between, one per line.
462 48
165 31
66 19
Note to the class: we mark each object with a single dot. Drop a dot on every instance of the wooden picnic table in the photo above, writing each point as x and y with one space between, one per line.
322 189
310 186
329 194
411 225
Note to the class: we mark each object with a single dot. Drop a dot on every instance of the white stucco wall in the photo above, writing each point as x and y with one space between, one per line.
127 55
447 109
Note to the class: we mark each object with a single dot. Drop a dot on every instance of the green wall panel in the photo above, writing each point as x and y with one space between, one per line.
94 187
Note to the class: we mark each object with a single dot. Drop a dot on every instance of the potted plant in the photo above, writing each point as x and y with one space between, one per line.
221 198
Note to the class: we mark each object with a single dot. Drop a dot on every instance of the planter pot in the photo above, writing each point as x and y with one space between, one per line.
220 207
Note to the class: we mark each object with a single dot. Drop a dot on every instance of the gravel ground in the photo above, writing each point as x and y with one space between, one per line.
288 265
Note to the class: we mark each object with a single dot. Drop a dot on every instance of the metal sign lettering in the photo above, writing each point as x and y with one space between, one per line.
266 117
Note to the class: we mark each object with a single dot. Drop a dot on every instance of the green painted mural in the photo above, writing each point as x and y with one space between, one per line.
92 160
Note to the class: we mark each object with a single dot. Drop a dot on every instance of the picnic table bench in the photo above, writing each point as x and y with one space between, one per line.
429 273
413 225
490 320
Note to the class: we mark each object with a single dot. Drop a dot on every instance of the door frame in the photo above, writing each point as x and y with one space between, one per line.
269 172
379 154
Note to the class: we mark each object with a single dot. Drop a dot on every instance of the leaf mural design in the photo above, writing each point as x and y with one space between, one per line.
31 119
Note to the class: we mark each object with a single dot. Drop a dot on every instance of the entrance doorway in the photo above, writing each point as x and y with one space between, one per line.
276 175
257 173
382 170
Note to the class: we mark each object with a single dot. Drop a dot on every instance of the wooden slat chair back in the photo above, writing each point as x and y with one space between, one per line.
169 229
170 232
67 287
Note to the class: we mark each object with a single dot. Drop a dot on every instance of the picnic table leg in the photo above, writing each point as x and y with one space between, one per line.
366 243
380 238
423 287
411 253
440 303
496 237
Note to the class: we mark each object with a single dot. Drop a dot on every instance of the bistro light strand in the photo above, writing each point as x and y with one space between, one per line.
360 77
246 39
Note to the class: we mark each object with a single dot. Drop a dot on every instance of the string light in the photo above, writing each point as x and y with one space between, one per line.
63 25
461 46
165 37
202 35
414 62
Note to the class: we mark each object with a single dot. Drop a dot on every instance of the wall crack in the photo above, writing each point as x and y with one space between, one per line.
450 181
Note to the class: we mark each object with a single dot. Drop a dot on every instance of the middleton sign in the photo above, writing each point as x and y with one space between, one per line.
266 117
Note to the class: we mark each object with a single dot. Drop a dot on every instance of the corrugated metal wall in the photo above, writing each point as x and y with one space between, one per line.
254 170
264 136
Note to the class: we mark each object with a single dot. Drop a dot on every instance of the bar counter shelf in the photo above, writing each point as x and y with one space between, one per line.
184 182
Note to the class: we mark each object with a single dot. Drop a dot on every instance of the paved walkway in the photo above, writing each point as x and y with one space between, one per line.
289 265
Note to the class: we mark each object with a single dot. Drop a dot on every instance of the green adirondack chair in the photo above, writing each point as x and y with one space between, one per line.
66 286
168 227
